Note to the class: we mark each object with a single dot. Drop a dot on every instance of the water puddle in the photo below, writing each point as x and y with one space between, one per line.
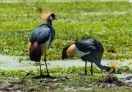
12 62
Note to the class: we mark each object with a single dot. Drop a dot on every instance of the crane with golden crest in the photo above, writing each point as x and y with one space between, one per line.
40 39
88 50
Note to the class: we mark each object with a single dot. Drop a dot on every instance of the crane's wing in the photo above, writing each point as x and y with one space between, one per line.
40 34
85 45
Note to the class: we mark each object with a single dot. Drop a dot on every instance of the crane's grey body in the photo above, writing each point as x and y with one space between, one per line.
88 50
41 34
96 50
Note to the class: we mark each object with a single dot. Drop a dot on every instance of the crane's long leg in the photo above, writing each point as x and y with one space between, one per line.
85 68
40 68
46 64
91 70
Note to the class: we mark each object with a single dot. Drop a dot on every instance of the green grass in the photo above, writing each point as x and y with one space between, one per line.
109 22
71 79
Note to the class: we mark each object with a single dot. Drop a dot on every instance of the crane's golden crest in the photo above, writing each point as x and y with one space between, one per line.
71 50
45 16
113 64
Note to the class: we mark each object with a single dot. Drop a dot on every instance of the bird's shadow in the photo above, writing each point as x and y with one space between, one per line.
44 76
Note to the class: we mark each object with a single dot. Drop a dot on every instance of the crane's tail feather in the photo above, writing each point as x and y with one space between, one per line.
34 52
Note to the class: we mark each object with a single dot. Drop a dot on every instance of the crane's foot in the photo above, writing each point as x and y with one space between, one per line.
43 76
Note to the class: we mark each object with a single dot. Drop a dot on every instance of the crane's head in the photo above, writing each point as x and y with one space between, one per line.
64 55
113 65
110 70
52 17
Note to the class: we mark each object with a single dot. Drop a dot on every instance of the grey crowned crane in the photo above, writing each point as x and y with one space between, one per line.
88 50
40 39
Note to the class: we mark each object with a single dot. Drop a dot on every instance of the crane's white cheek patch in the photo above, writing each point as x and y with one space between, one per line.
111 70
80 53
51 18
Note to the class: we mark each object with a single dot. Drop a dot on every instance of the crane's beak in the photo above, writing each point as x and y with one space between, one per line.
56 18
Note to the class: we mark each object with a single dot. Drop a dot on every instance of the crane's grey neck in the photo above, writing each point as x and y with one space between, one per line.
98 63
49 22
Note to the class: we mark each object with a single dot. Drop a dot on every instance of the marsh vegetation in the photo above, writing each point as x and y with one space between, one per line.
110 22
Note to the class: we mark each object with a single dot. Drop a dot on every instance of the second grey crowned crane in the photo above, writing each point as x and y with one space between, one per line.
88 50
40 39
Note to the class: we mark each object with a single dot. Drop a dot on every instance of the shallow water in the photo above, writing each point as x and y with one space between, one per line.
12 62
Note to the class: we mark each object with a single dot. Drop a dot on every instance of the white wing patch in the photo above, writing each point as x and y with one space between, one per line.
80 53
47 42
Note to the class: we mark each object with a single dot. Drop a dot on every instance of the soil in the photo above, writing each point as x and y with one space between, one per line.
53 83
118 82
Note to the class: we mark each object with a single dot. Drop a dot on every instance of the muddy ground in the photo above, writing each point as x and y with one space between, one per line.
72 82
63 83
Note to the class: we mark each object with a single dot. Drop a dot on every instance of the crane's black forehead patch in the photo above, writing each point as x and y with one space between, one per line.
53 15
